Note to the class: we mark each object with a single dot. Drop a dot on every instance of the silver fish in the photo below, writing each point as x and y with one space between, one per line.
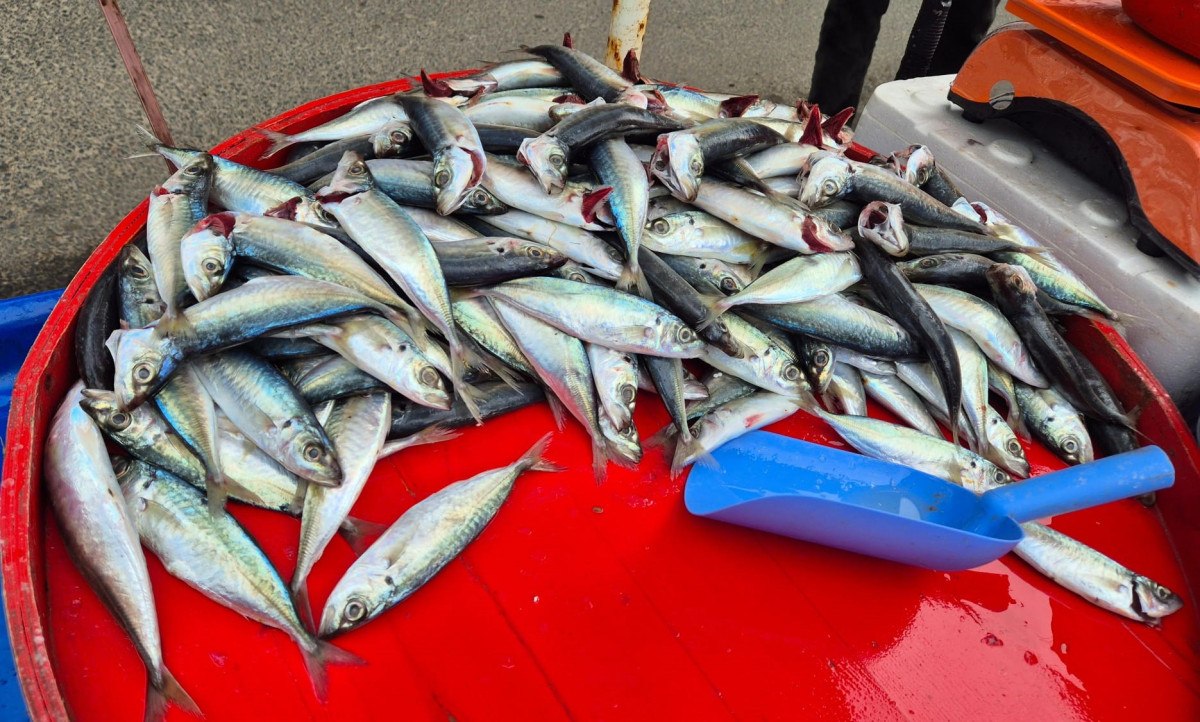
144 434
140 302
103 542
270 412
615 374
897 397
617 166
787 159
440 228
476 318
213 554
973 367
798 280
765 363
701 235
187 407
602 315
774 222
845 394
364 119
515 111
174 208
576 205
579 245
729 421
424 539
837 319
458 158
1052 419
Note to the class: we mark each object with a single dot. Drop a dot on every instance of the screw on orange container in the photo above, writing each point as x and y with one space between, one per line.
586 601
1143 148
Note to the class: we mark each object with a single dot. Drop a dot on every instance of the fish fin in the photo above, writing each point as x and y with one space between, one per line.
149 139
836 123
663 436
432 434
279 141
357 531
812 134
600 458
214 488
568 41
591 202
634 281
557 410
317 659
435 88
736 106
690 448
631 68
533 459
169 690
302 603
458 366
716 306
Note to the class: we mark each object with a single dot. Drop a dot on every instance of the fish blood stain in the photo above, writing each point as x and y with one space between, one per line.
992 640
1030 658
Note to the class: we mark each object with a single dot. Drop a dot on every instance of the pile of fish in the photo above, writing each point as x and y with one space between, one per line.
544 229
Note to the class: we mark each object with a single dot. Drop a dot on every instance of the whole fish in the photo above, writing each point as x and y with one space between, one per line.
210 249
837 319
529 113
897 397
175 206
579 245
615 375
364 119
391 237
144 434
765 362
924 241
146 358
458 158
963 270
383 350
617 167
913 312
588 76
214 555
722 388
682 155
103 542
674 293
728 422
765 218
388 142
515 74
357 426
989 328
1095 577
411 183
576 205
548 155
845 394
140 303
561 362
424 539
801 279
601 315
1016 294
495 399
494 259
268 410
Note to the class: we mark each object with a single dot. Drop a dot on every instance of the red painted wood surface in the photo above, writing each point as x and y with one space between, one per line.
587 601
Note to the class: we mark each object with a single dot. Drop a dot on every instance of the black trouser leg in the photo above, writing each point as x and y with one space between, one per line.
968 23
848 35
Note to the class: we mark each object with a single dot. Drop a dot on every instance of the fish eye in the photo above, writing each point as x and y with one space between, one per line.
479 197
211 265
357 168
661 226
928 262
685 334
534 251
312 451
441 178
999 477
119 421
143 372
137 270
791 373
696 166
1162 593
120 465
1014 447
829 187
577 277
398 137
557 160
429 376
322 213
821 357
628 393
193 170
660 163
355 610
729 284
1070 445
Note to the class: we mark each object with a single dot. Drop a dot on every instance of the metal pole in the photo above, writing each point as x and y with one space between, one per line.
137 73
626 31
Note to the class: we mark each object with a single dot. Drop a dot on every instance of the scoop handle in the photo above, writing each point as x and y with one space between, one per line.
1079 487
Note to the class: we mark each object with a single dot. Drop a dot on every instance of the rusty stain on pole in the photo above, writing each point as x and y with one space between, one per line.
626 31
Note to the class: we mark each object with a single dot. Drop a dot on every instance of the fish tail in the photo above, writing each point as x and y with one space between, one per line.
318 655
167 690
689 451
632 280
466 392
279 141
663 436
556 410
433 434
600 456
533 459
302 603
480 358
716 306
214 488
149 139
358 532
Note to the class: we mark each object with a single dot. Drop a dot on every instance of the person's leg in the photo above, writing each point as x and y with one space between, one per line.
968 24
848 35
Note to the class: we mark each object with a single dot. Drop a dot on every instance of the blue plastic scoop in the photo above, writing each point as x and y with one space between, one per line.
853 502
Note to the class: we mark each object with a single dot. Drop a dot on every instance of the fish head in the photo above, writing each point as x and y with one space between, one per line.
1009 281
136 266
633 96
1074 450
427 384
624 442
480 201
312 455
1152 600
144 359
193 178
454 177
672 335
539 253
820 235
817 358
113 420
827 179
393 140
883 224
546 158
358 597
207 254
310 211
351 177
919 165
678 162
